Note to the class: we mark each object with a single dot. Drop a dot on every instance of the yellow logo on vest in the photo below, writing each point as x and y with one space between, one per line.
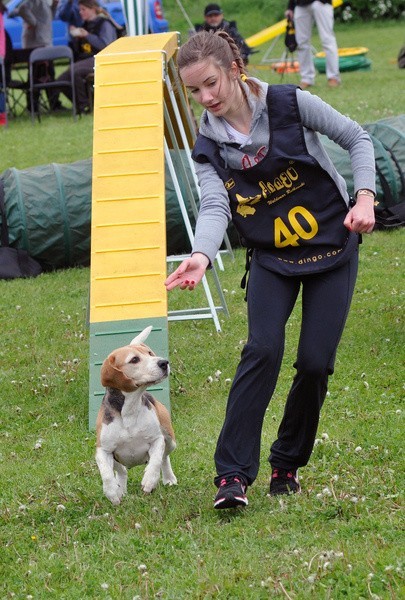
245 207
229 184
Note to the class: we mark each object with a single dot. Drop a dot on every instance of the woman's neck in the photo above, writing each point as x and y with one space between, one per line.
240 114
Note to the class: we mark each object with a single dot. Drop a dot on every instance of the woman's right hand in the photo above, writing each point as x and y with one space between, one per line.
189 273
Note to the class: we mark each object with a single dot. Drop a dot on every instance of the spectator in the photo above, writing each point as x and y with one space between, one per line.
68 11
214 20
97 32
37 28
305 13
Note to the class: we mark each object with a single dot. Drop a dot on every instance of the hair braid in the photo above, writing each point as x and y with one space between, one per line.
220 47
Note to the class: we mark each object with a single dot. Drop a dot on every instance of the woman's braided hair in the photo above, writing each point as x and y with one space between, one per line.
217 46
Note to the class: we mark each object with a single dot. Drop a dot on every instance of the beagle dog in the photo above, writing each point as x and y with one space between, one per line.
133 428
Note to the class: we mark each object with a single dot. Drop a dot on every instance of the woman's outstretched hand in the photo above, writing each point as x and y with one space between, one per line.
189 273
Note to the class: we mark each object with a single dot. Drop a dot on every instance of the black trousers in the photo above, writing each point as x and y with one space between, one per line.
81 69
271 297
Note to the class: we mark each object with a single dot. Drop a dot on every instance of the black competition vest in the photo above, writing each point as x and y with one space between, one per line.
286 207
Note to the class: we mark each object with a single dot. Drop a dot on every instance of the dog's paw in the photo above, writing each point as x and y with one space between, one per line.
172 480
147 487
114 494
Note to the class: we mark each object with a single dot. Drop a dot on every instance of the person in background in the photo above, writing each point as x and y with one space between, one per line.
3 114
68 11
260 162
97 32
214 20
37 28
305 13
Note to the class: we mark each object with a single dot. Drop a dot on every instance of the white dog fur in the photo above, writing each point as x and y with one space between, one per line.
133 428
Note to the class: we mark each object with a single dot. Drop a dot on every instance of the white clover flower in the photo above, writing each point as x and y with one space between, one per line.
61 507
138 525
358 449
218 374
311 578
104 586
142 568
325 436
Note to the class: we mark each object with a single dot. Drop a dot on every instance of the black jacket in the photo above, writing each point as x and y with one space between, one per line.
293 3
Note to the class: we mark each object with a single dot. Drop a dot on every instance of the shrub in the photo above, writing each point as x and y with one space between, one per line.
373 9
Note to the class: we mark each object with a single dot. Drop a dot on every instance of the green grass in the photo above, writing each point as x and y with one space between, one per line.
341 538
61 538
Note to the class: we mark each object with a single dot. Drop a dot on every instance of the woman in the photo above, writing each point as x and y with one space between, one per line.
97 32
260 162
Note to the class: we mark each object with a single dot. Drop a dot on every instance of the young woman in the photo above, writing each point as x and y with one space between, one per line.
97 32
260 162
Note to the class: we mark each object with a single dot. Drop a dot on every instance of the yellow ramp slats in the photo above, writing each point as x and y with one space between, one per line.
128 238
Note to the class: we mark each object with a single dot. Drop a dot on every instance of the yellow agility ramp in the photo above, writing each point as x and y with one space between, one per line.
275 30
128 230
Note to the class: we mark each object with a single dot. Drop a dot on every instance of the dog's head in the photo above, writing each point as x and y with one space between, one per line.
134 366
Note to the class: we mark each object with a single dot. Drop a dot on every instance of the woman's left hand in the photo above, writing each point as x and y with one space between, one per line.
360 218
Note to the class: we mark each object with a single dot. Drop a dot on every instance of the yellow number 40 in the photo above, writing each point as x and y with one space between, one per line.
283 236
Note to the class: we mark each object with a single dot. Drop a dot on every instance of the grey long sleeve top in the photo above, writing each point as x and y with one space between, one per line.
316 116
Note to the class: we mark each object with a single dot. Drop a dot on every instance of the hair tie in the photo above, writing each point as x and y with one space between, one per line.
243 77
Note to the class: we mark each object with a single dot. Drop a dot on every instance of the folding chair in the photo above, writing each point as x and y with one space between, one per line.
16 65
50 53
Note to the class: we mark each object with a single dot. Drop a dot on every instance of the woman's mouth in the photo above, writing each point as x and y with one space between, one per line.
214 107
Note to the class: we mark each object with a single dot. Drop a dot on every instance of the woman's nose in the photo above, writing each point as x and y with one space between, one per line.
206 96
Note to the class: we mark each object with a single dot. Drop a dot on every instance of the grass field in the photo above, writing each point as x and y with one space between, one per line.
342 538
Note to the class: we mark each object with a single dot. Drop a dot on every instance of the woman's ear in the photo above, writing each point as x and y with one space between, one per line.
234 70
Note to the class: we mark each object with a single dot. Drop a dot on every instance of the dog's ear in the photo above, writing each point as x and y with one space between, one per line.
113 377
141 337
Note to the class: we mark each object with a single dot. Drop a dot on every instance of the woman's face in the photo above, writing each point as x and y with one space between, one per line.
87 13
215 89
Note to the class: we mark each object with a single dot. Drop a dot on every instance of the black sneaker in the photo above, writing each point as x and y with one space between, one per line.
231 493
284 482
